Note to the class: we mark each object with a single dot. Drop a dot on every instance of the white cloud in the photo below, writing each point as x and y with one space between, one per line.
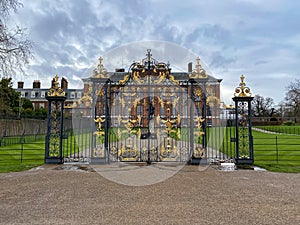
251 37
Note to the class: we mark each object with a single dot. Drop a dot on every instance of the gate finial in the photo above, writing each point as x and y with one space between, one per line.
100 71
198 72
149 54
242 90
55 90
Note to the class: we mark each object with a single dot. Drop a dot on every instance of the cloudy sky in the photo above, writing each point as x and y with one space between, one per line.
260 39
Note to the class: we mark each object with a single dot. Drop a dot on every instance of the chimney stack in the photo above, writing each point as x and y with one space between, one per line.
36 84
20 85
64 83
190 67
86 88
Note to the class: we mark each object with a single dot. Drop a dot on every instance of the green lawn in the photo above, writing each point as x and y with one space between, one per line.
283 157
277 152
282 129
19 157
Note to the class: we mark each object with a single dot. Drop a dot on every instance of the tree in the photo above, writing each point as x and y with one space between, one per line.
292 98
263 107
15 48
9 98
26 104
40 112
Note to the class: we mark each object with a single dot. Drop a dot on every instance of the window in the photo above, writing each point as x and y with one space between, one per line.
32 94
42 105
72 94
208 111
162 111
139 110
22 94
116 109
174 111
42 94
126 110
185 110
78 94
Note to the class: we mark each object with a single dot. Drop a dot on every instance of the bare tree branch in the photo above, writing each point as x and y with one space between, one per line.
15 48
262 107
293 98
7 5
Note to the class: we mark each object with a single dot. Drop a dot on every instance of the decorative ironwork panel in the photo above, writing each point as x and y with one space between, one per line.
55 128
53 148
244 139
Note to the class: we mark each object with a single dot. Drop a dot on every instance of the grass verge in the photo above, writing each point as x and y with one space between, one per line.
285 168
16 167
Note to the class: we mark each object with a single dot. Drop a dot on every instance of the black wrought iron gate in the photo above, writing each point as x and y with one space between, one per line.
148 114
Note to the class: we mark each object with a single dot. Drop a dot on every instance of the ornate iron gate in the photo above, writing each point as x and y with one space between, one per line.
149 114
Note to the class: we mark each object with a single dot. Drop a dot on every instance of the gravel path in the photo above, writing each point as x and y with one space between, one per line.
50 196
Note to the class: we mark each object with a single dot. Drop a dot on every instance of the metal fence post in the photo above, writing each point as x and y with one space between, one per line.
22 148
276 149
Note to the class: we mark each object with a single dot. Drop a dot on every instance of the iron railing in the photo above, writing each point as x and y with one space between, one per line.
28 149
277 149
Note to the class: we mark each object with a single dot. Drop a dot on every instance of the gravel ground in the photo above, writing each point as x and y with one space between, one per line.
50 196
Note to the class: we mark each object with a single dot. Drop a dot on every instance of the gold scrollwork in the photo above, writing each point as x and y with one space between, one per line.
136 77
212 100
198 92
242 90
168 150
100 71
198 72
167 92
199 152
99 122
113 150
128 92
99 151
161 101
227 106
122 101
126 78
86 99
169 124
172 78
199 121
136 102
128 153
55 90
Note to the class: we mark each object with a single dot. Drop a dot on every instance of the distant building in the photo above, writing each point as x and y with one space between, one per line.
37 95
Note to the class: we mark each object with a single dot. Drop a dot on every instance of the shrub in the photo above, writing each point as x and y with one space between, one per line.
289 123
